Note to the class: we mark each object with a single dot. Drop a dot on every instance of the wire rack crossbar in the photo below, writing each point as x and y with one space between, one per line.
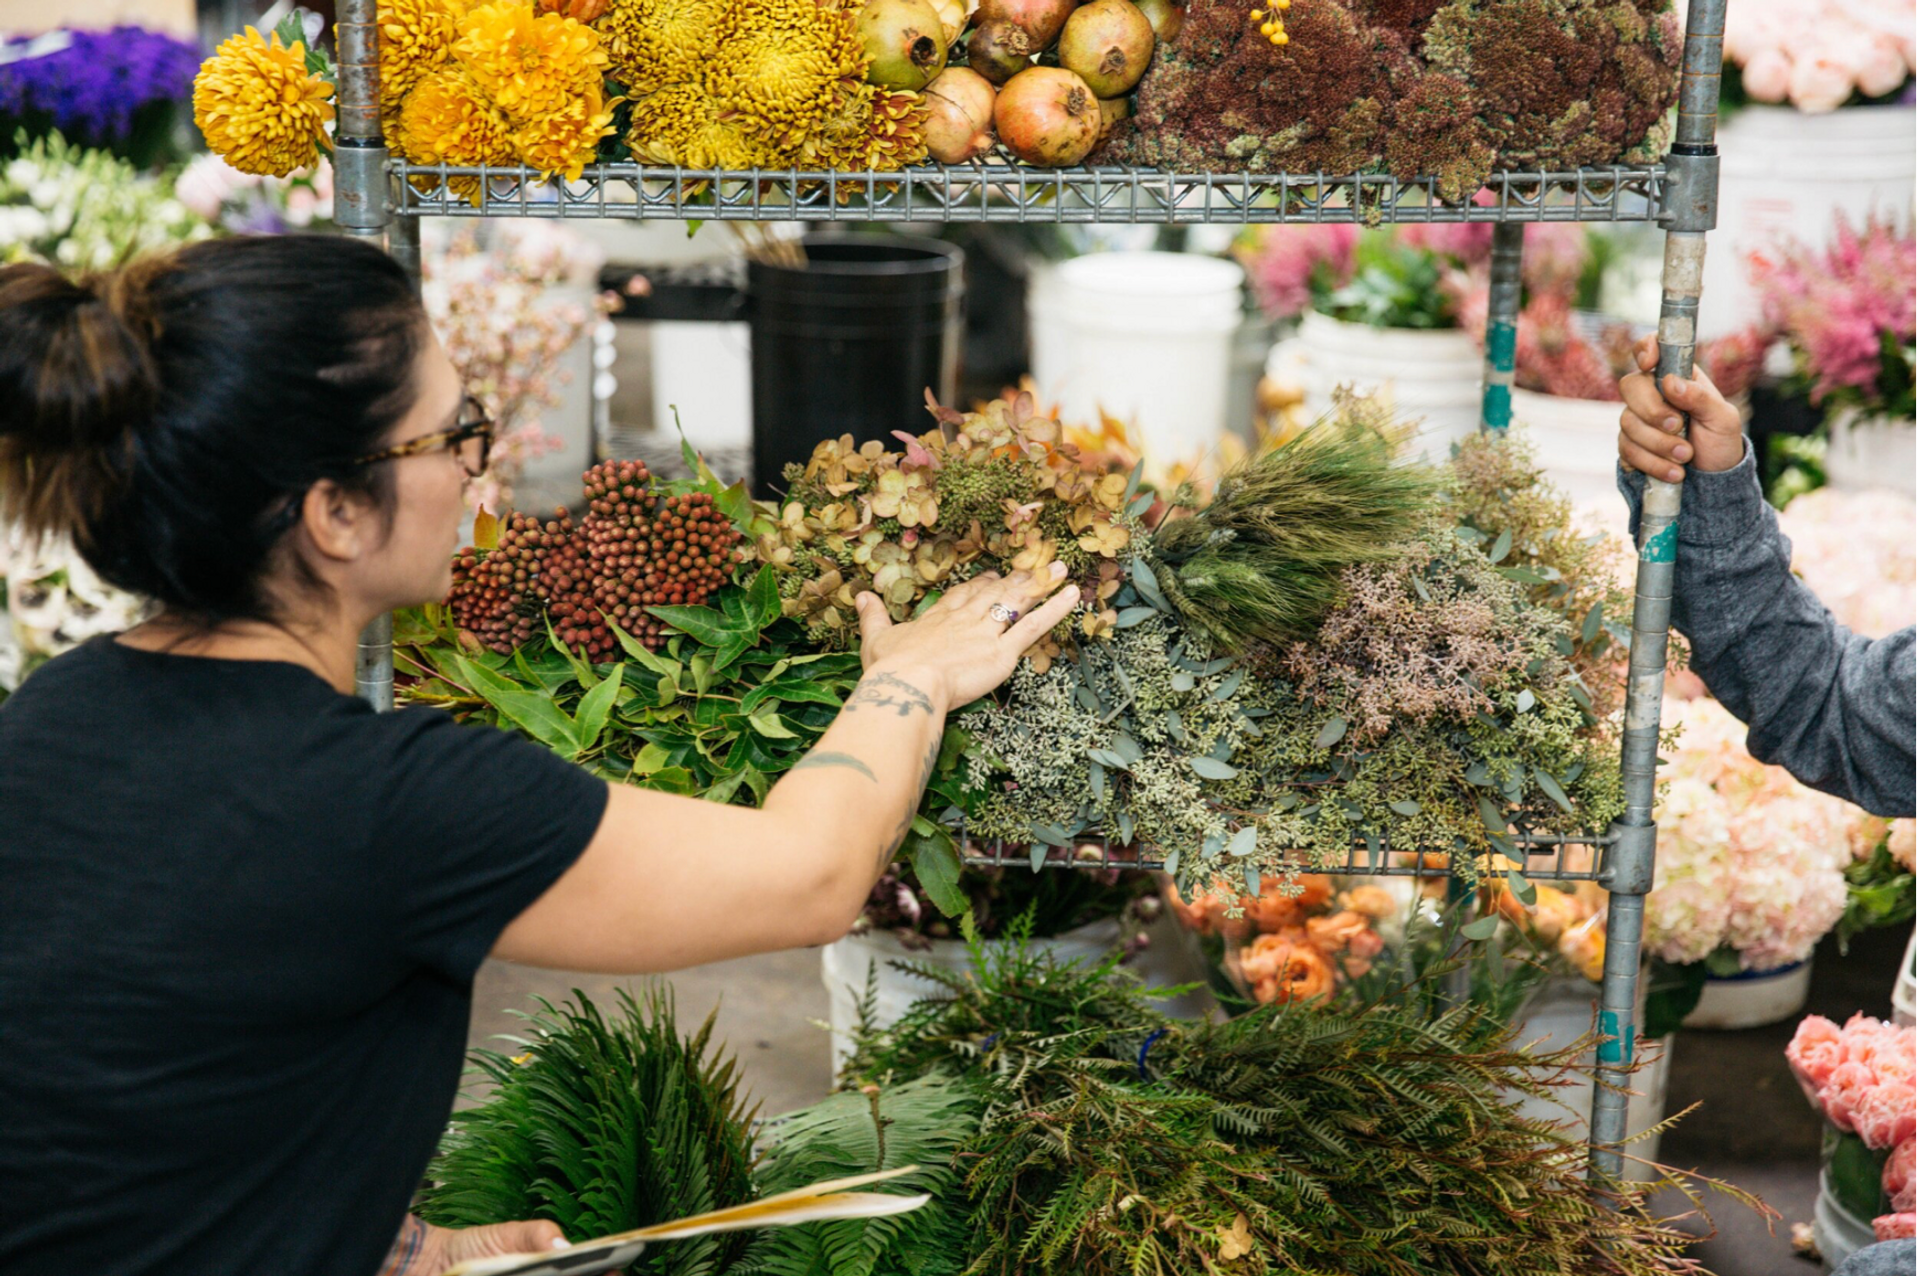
999 192
1538 857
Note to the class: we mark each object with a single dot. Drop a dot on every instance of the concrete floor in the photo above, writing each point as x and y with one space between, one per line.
1753 1128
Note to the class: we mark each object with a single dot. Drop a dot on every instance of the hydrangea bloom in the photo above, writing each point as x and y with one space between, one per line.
1856 551
93 83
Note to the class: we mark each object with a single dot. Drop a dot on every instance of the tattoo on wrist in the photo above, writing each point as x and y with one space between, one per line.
406 1248
819 758
885 691
892 845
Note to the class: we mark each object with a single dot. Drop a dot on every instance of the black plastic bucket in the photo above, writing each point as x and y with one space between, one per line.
850 344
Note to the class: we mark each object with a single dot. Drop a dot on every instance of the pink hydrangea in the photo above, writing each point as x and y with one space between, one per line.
1897 1178
1856 551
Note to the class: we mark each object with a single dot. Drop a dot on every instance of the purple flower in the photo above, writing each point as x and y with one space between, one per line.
96 82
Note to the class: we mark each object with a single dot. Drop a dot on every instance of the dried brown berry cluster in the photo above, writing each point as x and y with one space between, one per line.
649 551
635 549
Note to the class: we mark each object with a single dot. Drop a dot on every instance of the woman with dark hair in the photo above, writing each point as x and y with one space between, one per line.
243 911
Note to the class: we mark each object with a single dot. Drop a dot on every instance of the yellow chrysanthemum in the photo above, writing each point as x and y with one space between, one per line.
416 36
532 65
897 135
259 108
656 43
564 141
842 139
448 120
683 125
778 63
867 129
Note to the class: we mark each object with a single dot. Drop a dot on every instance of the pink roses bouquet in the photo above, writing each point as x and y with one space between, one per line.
1861 1077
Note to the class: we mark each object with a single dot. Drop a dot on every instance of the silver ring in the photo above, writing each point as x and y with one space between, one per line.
1003 613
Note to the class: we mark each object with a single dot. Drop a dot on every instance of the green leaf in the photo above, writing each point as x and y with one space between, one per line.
638 651
1491 817
1331 734
1522 889
650 759
1182 681
1097 781
1420 588
763 597
1242 843
1480 930
1208 768
1225 690
1148 587
703 624
1501 545
732 651
1171 865
1140 505
1133 479
936 866
1176 728
768 724
595 708
1131 616
1404 808
533 712
1553 790
1253 882
790 691
1127 747
1591 629
1524 701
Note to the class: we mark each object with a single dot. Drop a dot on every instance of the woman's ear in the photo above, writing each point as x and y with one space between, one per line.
342 525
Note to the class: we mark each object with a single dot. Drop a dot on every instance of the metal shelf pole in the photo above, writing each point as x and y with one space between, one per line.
360 199
1503 325
1689 199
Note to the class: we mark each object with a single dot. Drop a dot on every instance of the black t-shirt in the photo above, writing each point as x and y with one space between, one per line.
240 915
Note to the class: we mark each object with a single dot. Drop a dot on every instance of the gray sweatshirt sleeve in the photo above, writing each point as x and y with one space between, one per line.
1832 707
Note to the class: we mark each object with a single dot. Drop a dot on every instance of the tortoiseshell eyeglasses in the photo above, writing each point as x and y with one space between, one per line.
471 441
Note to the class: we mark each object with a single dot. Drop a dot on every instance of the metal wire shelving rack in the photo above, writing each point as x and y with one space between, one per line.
382 199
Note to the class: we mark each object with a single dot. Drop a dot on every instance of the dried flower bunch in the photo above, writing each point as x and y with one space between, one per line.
996 489
1455 90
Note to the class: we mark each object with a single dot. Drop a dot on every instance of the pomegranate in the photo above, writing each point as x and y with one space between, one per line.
959 116
999 50
906 45
1112 111
1164 16
1047 116
1040 19
1107 43
953 18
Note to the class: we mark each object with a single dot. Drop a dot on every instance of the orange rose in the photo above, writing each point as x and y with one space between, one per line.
1376 902
1332 933
1207 914
1286 967
1585 945
1273 912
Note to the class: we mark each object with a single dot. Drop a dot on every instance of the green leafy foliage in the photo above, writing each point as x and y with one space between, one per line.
923 1122
1393 286
727 707
603 1125
1375 1138
1880 892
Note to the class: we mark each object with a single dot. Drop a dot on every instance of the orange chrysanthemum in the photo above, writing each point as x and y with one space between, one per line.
259 107
448 120
564 141
532 65
416 37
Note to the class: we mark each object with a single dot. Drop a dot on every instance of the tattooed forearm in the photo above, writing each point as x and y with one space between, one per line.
883 690
892 845
820 758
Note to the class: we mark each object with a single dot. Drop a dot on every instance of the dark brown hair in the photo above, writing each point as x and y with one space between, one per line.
168 416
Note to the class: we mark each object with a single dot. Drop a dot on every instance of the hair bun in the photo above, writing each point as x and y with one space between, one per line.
77 377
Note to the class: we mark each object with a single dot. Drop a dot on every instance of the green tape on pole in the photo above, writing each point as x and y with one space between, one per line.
1501 338
1616 1046
1662 545
1496 407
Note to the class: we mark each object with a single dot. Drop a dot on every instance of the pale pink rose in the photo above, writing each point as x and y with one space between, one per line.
1822 79
207 183
1814 1053
1897 1178
1884 70
301 206
1767 75
1893 1227
1900 843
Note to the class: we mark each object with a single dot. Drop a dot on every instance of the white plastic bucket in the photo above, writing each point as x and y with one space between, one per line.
1560 1014
702 377
1144 337
1903 988
1837 1232
1783 172
1431 376
1753 999
1575 441
1870 451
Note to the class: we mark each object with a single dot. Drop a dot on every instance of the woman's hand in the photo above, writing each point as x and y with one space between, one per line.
957 641
424 1250
1650 438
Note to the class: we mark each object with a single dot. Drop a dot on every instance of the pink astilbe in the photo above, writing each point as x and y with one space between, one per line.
1834 303
1285 264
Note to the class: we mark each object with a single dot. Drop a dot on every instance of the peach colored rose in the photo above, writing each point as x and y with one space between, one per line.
1336 931
1376 902
1884 69
1883 1115
1286 967
1897 1177
1815 1051
1900 842
1822 79
1207 913
1273 913
1893 1227
1585 945
1840 1096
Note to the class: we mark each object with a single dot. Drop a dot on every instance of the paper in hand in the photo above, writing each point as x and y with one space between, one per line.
820 1202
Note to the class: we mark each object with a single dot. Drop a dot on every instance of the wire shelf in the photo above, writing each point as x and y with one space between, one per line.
1548 858
1003 192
